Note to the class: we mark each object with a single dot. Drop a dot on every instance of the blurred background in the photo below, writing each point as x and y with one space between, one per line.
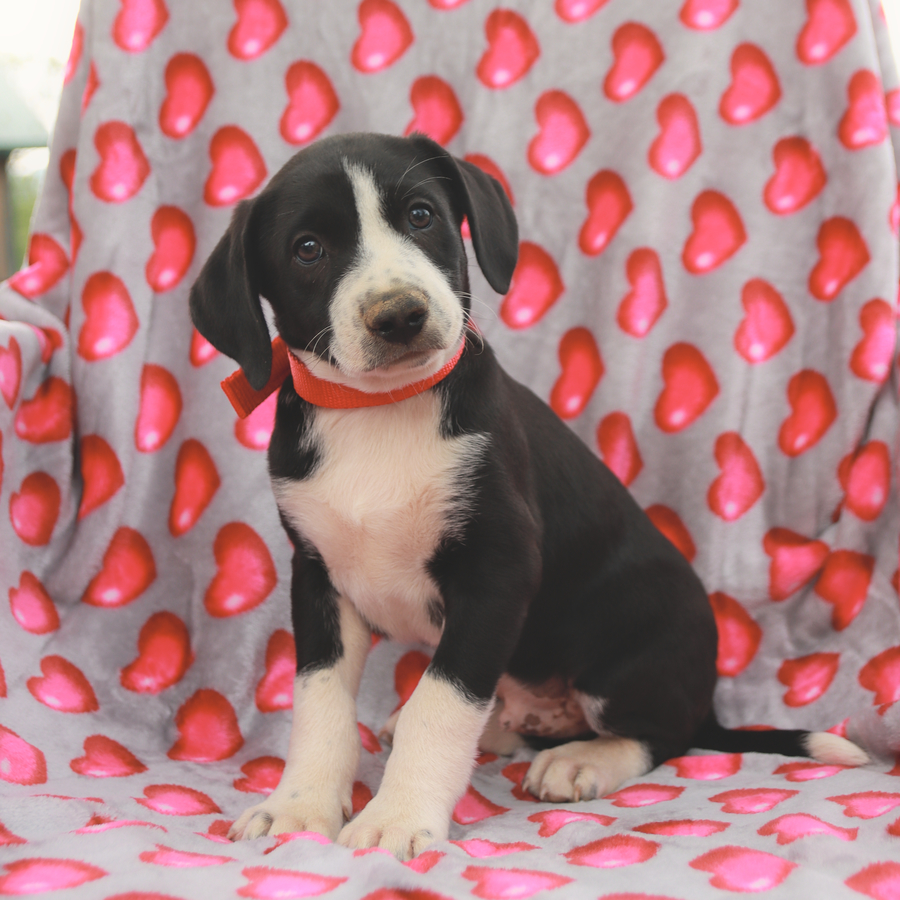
35 36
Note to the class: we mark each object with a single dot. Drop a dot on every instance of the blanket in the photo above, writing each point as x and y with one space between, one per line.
708 206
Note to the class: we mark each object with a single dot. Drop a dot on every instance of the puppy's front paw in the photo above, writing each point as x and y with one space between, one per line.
404 832
282 815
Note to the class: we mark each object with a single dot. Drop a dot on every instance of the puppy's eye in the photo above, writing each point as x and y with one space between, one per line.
307 250
420 217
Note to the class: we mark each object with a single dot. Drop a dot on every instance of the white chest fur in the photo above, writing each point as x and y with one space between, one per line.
387 489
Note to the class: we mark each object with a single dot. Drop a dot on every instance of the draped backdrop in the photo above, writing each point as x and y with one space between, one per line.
708 269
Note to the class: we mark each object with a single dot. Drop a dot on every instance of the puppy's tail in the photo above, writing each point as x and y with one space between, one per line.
822 746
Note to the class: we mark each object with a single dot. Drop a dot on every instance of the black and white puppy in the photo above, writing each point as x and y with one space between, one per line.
466 516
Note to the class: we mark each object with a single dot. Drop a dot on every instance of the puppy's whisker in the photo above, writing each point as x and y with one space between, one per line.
418 184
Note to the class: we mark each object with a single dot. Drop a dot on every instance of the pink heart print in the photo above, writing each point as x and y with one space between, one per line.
678 144
641 308
536 286
138 23
106 758
739 635
101 473
754 87
245 575
582 369
128 570
62 686
609 204
259 25
174 243
437 111
808 677
110 321
830 24
196 483
512 49
207 728
34 509
160 408
189 90
32 607
312 103
637 54
238 168
562 133
123 167
385 35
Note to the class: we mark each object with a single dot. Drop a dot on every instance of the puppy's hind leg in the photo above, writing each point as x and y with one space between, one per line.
583 770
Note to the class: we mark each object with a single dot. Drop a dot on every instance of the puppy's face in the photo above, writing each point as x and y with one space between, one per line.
360 256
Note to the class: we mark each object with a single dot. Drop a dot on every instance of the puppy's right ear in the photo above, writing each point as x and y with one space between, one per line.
225 303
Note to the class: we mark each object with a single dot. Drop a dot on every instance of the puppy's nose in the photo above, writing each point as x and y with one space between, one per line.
398 318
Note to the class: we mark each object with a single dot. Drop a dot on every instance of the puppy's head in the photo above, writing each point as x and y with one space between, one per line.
356 245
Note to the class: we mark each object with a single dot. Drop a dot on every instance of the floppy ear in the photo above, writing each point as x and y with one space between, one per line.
495 234
224 301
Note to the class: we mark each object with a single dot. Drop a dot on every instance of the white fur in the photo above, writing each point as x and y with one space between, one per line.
835 750
435 743
388 489
583 770
385 260
314 793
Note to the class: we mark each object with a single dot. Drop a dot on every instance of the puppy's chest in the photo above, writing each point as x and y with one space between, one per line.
387 490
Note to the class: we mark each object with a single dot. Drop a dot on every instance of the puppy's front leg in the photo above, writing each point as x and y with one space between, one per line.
435 744
314 793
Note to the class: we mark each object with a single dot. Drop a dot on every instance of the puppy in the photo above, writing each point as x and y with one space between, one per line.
429 497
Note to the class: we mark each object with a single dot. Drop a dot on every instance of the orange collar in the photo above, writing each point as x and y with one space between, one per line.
317 390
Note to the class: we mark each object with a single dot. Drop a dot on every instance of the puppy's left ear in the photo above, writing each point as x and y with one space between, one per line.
495 234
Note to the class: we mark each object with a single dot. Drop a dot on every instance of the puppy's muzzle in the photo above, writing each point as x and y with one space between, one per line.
397 318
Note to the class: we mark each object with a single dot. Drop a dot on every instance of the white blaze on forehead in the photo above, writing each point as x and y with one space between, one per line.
386 261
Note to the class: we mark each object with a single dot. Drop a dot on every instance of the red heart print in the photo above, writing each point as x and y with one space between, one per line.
176 800
370 742
437 111
609 204
582 369
259 25
49 339
865 122
196 482
160 408
312 103
553 821
881 675
878 880
63 687
562 133
578 10
479 848
202 351
638 795
237 170
637 54
497 884
385 35
867 804
276 688
474 807
138 23
174 244
164 655
808 677
829 26
742 869
669 523
746 801
741 483
409 669
707 15
34 510
642 306
536 285
767 325
123 168
128 569
47 263
690 827
32 607
813 412
28 876
512 49
75 52
843 254
189 89
689 386
90 87
844 582
246 574
807 771
799 176
754 87
20 762
106 758
892 99
261 775
718 233
208 729
739 635
10 371
101 473
678 143
706 768
180 859
255 431
67 175
613 852
110 321
618 447
865 477
446 4
872 356
795 560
